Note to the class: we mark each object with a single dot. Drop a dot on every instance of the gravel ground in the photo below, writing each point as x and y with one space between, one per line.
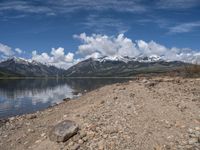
144 114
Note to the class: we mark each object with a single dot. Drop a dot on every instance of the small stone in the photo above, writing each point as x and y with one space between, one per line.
167 147
197 128
85 139
43 134
101 145
78 115
129 106
31 116
90 134
25 142
71 143
66 99
38 141
63 131
115 98
102 102
192 141
31 130
105 136
150 84
82 134
111 130
191 131
64 116
12 118
80 141
75 138
75 147
132 95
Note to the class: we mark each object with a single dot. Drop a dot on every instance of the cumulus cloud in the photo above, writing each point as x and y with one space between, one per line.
18 50
6 50
98 45
57 57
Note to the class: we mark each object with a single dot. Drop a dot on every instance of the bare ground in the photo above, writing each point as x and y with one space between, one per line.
145 114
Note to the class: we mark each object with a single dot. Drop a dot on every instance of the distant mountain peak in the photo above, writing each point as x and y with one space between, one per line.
126 59
17 66
17 60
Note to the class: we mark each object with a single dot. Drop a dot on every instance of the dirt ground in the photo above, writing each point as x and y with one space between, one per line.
144 114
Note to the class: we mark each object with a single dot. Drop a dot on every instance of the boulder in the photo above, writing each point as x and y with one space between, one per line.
63 131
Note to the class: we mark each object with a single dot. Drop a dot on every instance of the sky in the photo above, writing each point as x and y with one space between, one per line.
64 32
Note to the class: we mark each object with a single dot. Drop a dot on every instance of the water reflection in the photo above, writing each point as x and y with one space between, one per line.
26 96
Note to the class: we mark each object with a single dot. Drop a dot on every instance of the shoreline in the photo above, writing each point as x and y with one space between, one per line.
117 116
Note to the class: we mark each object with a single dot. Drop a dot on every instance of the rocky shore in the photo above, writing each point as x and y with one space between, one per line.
143 114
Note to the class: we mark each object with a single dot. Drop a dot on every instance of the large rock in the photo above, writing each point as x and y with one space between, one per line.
63 131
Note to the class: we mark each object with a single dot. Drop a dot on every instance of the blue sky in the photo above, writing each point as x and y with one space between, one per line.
39 26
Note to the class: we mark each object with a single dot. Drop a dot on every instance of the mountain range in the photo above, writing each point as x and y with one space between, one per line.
92 67
121 66
19 67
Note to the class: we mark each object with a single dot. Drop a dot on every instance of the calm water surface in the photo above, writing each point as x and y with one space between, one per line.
22 96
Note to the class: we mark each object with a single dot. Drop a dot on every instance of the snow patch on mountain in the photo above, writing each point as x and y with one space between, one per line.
126 59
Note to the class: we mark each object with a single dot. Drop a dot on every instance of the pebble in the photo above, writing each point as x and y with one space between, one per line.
85 139
31 116
43 134
71 143
102 102
101 145
38 141
31 130
90 134
12 118
115 98
82 134
129 106
105 136
75 147
80 141
192 141
197 128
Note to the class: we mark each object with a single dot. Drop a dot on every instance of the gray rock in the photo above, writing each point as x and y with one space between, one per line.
63 131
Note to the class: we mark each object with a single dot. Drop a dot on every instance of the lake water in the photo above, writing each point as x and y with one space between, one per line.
23 96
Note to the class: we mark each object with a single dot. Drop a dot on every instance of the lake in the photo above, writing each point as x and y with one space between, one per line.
21 96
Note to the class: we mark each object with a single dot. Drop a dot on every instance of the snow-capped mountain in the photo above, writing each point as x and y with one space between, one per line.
93 67
121 66
127 59
21 67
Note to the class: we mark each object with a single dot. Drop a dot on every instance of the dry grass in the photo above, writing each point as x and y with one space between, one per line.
192 70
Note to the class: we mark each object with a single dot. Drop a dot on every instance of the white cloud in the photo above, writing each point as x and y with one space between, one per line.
98 45
52 8
185 27
105 45
57 57
177 4
18 50
102 24
23 6
6 50
69 57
